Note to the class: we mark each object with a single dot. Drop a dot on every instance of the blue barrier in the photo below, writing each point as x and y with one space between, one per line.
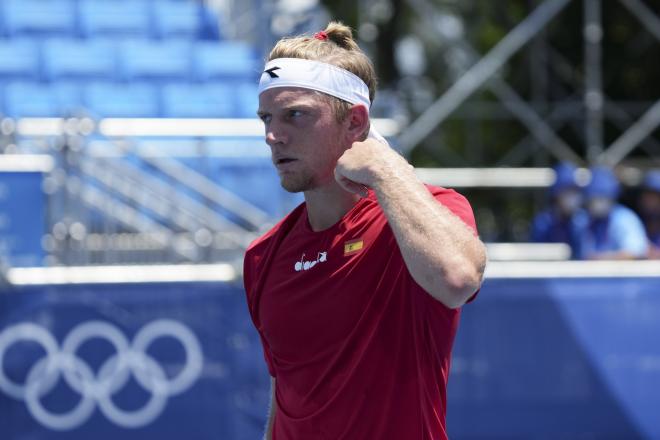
190 364
571 358
22 218
558 358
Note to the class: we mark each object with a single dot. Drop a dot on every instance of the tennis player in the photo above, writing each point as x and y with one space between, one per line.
356 292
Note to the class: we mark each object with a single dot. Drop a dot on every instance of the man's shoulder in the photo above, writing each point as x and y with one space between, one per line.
442 191
447 196
456 202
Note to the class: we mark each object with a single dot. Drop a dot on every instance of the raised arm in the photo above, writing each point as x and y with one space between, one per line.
443 255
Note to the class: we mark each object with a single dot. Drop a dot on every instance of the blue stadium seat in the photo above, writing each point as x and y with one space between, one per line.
247 99
165 60
26 99
177 19
210 25
252 178
94 59
225 60
198 101
240 165
117 100
255 181
115 18
39 17
19 59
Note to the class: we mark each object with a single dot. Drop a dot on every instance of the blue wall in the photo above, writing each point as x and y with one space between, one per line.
534 359
558 358
226 399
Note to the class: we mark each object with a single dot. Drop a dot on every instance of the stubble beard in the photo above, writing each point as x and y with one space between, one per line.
296 184
306 179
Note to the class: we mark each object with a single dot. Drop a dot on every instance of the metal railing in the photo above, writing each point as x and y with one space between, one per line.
115 195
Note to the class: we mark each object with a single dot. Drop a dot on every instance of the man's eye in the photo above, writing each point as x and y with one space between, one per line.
265 118
294 113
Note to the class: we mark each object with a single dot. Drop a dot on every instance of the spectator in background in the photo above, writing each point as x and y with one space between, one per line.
614 232
649 209
564 219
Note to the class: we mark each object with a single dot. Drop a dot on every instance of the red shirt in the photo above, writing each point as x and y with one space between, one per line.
358 349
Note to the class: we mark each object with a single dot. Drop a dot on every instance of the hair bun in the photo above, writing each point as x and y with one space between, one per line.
341 35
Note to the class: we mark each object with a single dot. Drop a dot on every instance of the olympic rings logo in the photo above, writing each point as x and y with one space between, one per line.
98 389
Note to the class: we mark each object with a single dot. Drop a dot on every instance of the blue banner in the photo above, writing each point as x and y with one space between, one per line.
534 359
158 361
570 358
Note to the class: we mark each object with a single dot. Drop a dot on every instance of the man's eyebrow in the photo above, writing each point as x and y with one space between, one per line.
297 106
288 107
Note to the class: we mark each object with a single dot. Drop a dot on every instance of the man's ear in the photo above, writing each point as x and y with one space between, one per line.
358 122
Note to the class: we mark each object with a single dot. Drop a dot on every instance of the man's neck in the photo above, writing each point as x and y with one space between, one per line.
327 205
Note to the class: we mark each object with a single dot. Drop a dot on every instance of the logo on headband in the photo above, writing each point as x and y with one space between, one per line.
272 73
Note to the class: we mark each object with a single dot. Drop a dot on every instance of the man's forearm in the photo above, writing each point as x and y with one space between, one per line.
442 253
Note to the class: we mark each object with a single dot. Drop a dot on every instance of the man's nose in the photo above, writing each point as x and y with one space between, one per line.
275 135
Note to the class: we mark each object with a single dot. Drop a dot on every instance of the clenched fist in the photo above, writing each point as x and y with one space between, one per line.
366 163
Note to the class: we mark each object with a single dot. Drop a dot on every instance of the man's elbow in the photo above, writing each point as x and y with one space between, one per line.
454 296
459 286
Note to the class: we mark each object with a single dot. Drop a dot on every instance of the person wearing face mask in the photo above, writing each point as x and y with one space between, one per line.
649 209
614 231
564 219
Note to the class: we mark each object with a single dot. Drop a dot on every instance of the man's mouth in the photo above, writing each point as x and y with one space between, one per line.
284 160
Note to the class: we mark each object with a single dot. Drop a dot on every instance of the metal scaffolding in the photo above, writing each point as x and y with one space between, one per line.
542 122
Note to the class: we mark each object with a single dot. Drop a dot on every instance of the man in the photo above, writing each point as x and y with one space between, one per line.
564 219
356 292
614 232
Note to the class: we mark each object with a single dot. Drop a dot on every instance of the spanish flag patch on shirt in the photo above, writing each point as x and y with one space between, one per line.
353 246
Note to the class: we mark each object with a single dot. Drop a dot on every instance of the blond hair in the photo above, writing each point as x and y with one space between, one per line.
339 49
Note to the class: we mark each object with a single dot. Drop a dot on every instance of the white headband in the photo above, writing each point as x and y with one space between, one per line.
315 75
322 77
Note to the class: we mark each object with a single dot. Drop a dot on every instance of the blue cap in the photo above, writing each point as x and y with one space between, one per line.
564 178
652 181
604 183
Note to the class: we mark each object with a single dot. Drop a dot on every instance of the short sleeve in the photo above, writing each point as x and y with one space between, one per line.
456 203
460 206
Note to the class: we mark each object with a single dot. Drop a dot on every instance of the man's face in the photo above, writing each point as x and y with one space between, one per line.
304 137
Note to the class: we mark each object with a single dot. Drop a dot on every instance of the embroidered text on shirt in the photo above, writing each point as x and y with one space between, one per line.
322 257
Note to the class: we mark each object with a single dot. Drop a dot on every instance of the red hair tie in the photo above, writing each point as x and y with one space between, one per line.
321 35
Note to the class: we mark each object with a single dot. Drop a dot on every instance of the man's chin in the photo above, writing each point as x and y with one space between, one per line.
292 190
296 187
